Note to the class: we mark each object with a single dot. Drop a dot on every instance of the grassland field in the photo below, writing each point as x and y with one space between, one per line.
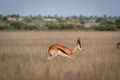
23 56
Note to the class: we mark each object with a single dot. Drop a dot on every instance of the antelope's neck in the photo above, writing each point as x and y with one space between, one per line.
74 50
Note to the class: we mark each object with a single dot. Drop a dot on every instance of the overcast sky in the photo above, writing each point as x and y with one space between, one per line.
60 7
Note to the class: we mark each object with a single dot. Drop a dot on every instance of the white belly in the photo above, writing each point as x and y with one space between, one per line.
62 54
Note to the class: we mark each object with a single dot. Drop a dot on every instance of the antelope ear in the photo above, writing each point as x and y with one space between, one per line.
78 38
78 42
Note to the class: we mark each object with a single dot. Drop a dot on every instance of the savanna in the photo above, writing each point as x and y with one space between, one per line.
23 56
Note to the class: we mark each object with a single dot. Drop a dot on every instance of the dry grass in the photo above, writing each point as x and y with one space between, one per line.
23 56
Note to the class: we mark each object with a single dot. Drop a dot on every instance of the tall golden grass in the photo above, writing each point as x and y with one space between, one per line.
23 56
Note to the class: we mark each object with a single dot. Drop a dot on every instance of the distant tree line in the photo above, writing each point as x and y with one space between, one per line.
39 22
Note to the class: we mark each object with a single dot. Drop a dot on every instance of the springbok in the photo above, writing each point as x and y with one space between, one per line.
58 49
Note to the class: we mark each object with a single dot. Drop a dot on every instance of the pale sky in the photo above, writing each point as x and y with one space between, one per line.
60 7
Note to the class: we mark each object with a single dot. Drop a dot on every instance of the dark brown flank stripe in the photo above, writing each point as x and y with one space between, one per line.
63 51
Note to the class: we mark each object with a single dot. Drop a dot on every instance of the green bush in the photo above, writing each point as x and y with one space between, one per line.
105 28
117 22
18 25
5 27
68 26
106 25
23 26
31 27
53 26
